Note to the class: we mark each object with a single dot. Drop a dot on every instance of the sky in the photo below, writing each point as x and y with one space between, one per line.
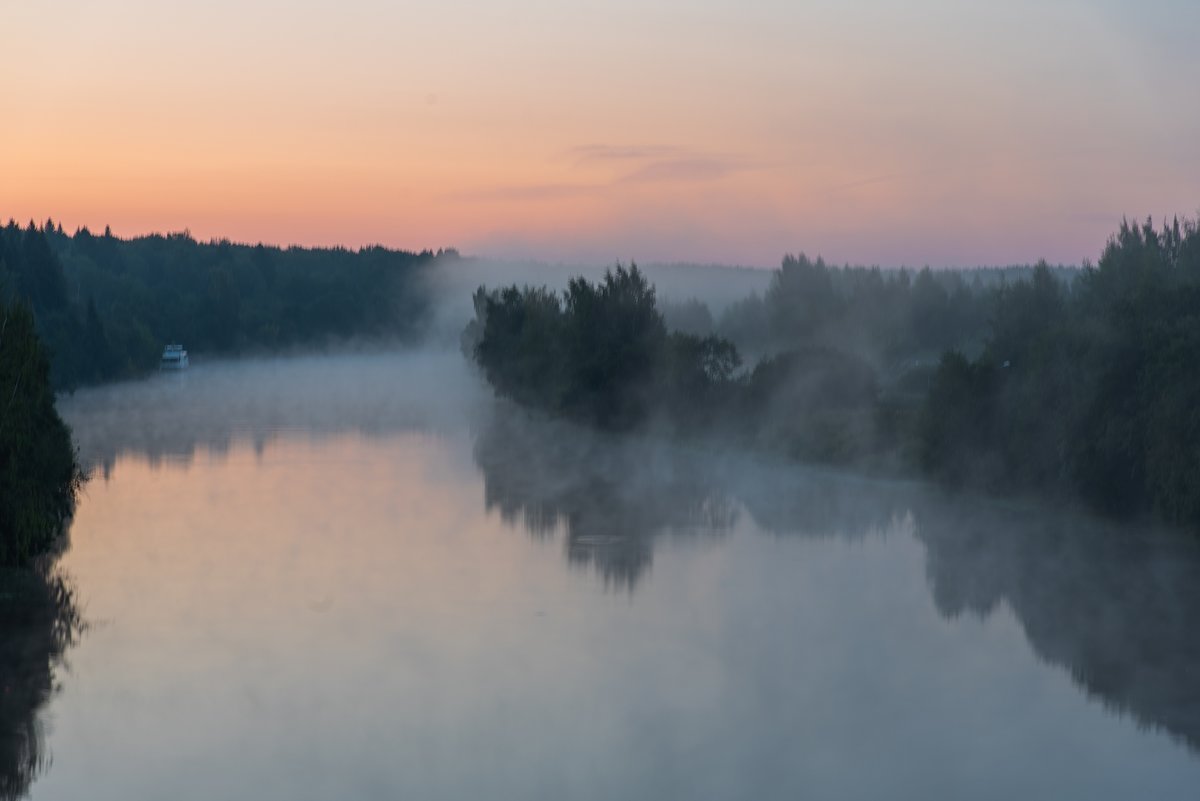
939 132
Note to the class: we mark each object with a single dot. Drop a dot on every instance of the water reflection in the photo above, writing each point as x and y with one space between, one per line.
39 620
613 495
610 497
1116 607
167 418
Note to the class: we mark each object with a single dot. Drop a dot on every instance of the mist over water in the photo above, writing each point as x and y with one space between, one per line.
213 406
359 575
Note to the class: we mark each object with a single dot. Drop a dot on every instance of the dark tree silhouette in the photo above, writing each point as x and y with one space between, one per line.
39 477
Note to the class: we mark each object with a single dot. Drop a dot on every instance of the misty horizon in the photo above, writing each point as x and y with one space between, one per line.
533 259
582 401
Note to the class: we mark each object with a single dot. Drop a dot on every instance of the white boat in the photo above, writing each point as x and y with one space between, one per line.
174 358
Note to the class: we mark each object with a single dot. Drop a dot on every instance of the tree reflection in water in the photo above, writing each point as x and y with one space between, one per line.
1117 607
610 496
39 620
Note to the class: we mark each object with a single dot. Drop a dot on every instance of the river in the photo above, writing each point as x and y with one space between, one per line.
359 576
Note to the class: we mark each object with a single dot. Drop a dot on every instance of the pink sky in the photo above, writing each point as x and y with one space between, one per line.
934 132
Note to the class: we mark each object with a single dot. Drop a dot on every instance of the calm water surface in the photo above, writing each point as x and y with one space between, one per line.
359 577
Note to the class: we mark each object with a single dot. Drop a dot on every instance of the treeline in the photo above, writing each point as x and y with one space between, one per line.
1090 389
39 484
893 318
842 355
1078 382
599 353
602 354
39 477
106 306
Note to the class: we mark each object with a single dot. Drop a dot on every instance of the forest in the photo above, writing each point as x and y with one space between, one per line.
1088 389
106 306
1072 382
40 482
1077 384
39 477
80 309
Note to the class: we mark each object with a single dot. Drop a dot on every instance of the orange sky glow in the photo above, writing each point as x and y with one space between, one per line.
932 132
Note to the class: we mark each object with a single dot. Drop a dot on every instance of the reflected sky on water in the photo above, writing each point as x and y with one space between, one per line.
359 577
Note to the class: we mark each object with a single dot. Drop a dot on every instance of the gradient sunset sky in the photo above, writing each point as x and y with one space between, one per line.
941 132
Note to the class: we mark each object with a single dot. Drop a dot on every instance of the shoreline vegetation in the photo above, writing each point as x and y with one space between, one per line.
39 484
1051 381
1068 384
106 306
40 478
1065 383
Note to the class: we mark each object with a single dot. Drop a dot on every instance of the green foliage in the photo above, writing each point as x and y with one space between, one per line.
801 299
813 404
106 306
890 317
39 478
813 378
1080 383
956 420
1097 386
615 340
600 353
522 344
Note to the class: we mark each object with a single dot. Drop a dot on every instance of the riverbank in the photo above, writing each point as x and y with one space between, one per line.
39 476
1082 389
